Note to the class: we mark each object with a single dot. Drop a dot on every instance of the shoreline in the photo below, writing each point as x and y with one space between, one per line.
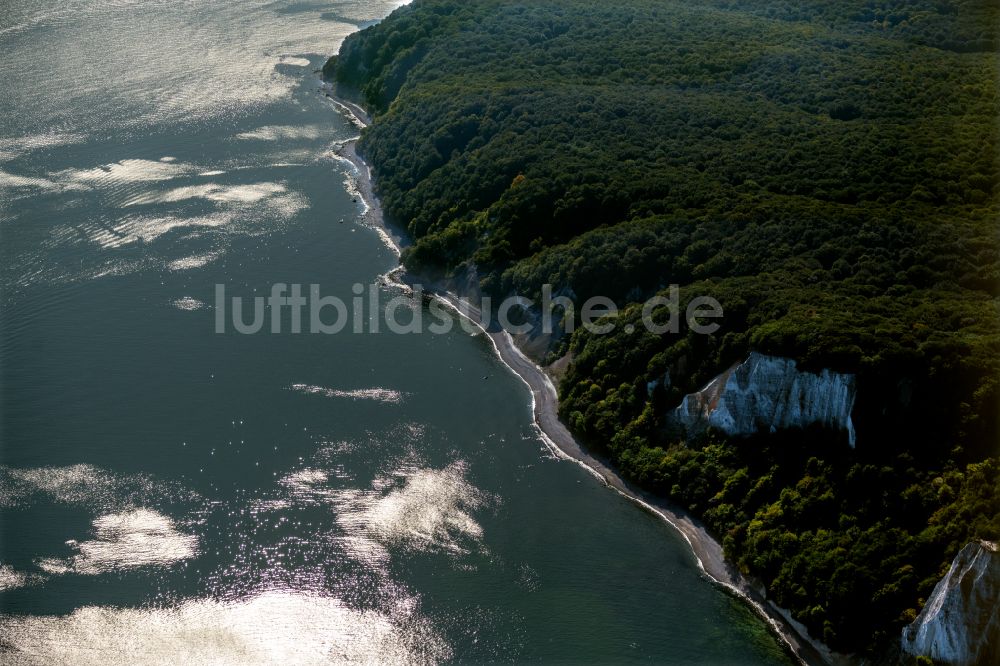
707 551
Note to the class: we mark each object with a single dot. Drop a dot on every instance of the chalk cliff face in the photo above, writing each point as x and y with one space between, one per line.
960 623
768 393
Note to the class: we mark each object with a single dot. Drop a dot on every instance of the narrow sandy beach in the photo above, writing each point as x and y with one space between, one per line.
545 404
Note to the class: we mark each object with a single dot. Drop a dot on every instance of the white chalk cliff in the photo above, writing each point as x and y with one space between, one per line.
960 623
767 394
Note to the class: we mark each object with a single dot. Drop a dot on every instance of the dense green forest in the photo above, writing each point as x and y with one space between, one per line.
826 169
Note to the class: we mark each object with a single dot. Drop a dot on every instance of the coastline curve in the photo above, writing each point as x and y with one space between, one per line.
707 551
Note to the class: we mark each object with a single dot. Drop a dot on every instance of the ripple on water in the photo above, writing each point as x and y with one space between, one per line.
293 61
189 303
420 509
124 535
128 171
127 540
11 579
281 132
377 394
13 147
194 261
138 229
88 486
275 627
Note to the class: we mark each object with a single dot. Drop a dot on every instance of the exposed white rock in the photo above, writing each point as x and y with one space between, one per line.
960 623
658 382
768 393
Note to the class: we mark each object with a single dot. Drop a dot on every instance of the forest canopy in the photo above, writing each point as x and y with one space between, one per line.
826 169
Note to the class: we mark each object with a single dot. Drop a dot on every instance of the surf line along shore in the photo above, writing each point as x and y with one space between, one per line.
545 403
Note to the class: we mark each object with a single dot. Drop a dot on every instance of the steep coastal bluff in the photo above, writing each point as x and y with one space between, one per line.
767 394
614 150
960 623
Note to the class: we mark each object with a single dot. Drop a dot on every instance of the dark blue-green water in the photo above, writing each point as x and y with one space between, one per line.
173 495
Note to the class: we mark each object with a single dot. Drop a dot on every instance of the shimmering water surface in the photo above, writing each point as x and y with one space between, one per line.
172 495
